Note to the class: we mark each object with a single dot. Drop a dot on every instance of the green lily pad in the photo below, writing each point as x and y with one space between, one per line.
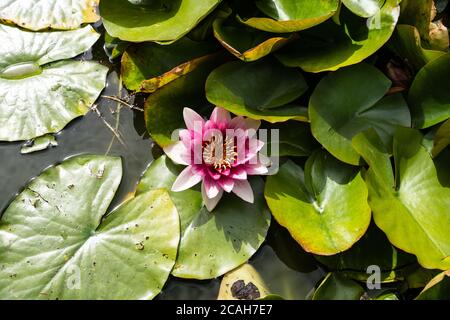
49 14
325 208
407 44
437 289
261 85
158 20
413 199
373 249
148 66
212 243
56 243
247 44
350 101
329 46
40 96
337 287
429 97
291 15
364 8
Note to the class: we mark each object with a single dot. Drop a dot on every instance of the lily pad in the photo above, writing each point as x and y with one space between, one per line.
212 243
350 101
260 86
40 96
291 15
364 8
324 208
49 14
56 245
149 66
413 199
161 21
329 47
337 287
246 43
429 96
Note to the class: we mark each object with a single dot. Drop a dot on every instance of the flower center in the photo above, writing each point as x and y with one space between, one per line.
220 154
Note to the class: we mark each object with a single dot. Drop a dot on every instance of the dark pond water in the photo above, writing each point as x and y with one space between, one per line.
120 131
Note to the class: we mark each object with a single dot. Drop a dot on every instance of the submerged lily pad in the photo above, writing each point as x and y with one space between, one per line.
324 208
329 47
38 95
350 101
212 243
159 20
413 198
55 242
291 15
49 14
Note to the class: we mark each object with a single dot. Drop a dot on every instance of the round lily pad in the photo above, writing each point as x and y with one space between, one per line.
324 208
55 242
212 243
39 95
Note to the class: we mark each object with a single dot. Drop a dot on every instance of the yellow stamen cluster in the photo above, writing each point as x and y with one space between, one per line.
220 160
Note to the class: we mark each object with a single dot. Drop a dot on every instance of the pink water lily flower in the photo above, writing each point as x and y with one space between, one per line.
220 152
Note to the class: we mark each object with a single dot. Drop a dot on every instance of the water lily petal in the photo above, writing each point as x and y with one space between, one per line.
178 153
239 173
221 117
243 190
187 179
191 118
256 169
212 187
211 203
227 184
